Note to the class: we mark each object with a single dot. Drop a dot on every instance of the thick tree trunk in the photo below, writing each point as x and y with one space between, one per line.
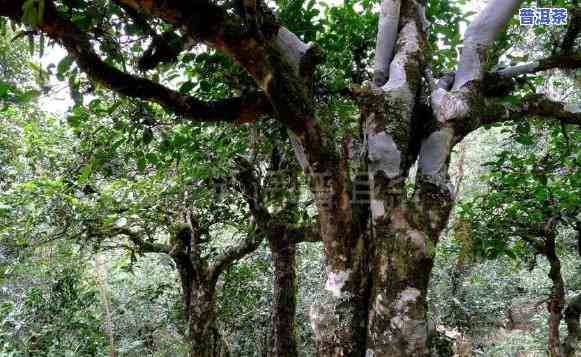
403 260
284 297
339 317
397 319
203 336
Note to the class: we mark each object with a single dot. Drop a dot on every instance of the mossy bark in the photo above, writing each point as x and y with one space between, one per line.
402 264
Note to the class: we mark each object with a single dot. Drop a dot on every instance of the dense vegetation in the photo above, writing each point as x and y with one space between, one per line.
289 178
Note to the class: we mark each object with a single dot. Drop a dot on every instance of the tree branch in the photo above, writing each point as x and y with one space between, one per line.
533 105
137 19
386 37
479 36
238 110
250 187
143 246
569 61
567 46
234 253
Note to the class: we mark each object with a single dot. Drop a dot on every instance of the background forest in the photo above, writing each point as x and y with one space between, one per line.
92 184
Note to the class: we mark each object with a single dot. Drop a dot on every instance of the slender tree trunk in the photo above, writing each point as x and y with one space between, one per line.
572 314
198 296
556 302
101 278
284 297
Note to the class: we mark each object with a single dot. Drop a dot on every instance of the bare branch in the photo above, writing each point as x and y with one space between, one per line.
386 37
560 61
479 36
302 57
293 47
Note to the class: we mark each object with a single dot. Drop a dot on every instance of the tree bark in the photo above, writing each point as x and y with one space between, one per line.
339 317
401 270
198 296
556 302
572 314
203 335
283 296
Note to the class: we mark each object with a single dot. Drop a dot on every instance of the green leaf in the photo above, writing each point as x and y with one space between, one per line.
141 164
524 139
64 65
512 99
85 173
4 87
187 87
205 86
74 121
28 96
117 144
152 158
147 136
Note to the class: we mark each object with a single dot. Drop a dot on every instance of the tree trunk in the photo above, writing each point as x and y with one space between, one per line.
283 297
557 299
101 276
203 335
198 295
572 314
403 260
339 316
